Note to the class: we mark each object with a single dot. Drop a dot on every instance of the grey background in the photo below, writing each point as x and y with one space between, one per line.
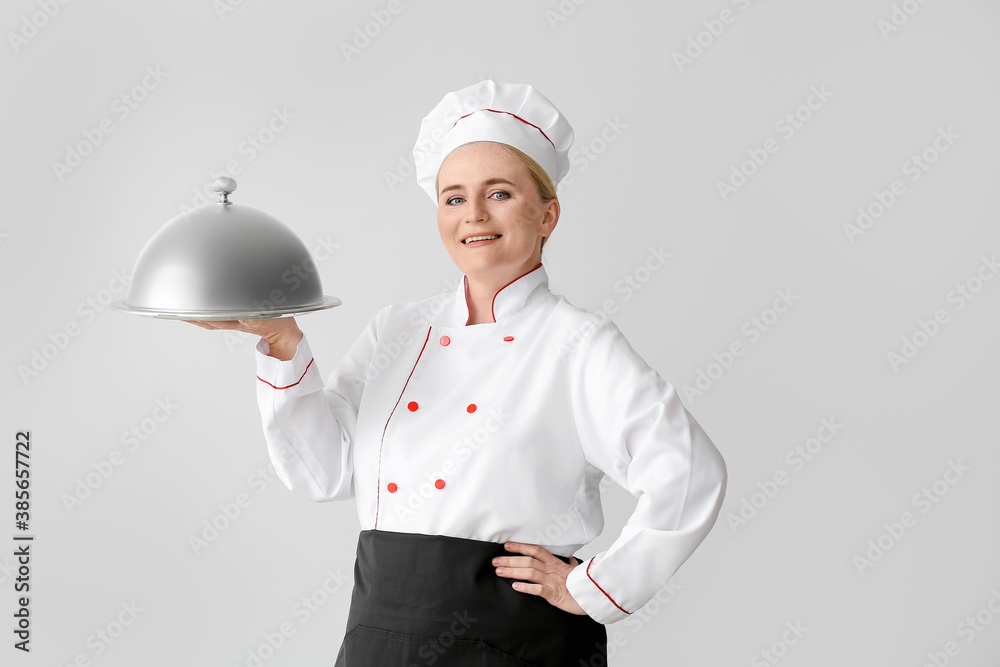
680 132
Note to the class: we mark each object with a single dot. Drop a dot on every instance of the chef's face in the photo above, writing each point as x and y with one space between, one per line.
485 191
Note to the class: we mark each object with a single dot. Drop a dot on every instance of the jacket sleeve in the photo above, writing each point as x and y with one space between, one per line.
309 427
632 426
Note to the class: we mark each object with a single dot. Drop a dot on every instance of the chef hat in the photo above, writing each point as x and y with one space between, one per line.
508 113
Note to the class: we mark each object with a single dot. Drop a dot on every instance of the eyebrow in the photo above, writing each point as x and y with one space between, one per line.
488 181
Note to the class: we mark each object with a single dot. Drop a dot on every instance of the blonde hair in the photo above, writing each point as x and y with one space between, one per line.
543 184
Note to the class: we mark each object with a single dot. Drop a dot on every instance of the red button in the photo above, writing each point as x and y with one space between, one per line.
392 487
445 340
439 484
412 405
508 338
471 408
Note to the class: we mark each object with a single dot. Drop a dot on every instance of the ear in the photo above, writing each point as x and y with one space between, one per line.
550 217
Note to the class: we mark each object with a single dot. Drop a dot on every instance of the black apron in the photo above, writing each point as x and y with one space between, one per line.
437 600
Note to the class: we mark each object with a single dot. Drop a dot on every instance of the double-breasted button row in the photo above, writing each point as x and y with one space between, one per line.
413 406
446 341
391 487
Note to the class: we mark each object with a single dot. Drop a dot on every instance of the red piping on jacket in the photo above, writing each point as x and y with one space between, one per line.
469 310
292 384
601 589
378 491
509 114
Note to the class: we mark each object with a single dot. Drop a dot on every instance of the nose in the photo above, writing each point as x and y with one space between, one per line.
476 211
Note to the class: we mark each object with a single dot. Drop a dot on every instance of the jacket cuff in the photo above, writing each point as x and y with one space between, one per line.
297 375
588 594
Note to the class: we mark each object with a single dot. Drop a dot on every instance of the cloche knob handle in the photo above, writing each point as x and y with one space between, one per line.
225 186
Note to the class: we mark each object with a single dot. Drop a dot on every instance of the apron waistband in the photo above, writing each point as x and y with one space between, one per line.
440 593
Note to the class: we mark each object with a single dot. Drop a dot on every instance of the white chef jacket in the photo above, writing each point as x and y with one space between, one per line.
501 431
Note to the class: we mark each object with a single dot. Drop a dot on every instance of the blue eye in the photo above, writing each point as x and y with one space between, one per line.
506 195
452 200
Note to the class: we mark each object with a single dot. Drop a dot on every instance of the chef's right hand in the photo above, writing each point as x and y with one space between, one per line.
281 333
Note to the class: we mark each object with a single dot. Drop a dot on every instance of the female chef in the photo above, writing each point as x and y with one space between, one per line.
474 428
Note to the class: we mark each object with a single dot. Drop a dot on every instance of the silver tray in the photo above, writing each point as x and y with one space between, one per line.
220 315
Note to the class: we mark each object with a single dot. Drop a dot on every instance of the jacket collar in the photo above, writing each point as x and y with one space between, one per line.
511 298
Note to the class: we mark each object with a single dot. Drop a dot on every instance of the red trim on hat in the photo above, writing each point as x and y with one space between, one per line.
509 114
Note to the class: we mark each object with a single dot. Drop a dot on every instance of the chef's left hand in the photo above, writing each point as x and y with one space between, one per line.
540 566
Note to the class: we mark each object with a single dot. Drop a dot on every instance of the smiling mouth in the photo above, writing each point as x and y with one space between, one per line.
484 237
